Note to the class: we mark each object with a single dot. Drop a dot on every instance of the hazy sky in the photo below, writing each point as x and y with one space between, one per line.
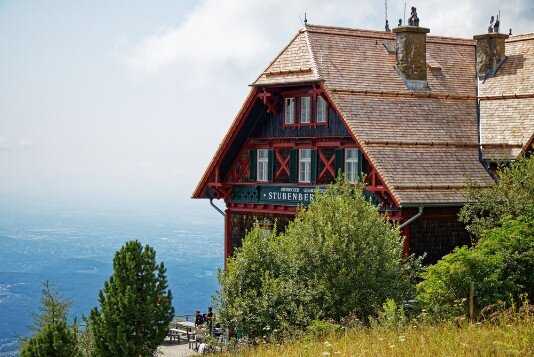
128 100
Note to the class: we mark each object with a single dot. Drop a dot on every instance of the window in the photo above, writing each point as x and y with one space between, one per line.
305 165
351 165
321 110
263 165
290 111
305 110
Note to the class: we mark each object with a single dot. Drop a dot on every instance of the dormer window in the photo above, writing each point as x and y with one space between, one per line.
321 110
305 110
290 111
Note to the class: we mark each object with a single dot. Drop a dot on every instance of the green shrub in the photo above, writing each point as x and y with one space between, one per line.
500 267
339 256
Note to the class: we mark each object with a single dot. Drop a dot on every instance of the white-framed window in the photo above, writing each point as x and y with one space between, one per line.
305 110
263 165
304 165
290 110
351 165
321 110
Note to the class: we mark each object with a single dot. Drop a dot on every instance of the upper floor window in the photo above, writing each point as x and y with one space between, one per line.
305 110
351 165
263 165
305 165
290 110
321 110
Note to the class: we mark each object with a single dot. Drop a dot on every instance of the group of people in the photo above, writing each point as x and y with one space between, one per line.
206 318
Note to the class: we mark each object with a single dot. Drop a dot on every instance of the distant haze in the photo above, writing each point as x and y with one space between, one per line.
127 101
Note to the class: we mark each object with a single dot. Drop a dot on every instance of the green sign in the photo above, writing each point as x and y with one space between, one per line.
283 195
287 195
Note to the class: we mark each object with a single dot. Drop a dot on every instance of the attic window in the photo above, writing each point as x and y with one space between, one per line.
433 65
290 110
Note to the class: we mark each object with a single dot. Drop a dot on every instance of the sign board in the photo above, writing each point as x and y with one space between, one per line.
287 195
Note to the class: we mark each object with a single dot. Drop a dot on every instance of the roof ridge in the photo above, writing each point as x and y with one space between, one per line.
521 37
315 68
385 34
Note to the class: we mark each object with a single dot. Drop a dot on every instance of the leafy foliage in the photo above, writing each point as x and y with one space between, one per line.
135 305
501 264
339 256
52 335
511 196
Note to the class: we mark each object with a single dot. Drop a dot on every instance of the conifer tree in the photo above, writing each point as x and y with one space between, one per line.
55 339
52 335
135 305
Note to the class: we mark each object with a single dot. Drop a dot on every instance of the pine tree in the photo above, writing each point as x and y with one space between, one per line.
52 335
135 305
55 339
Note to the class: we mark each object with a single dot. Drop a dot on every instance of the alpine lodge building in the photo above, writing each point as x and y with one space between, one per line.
418 115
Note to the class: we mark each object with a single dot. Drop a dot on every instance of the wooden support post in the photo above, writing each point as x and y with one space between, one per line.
472 302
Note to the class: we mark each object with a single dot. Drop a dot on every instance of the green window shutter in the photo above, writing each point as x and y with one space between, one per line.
252 163
339 161
313 175
293 165
360 162
270 166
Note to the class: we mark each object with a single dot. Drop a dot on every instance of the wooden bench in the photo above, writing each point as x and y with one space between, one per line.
176 334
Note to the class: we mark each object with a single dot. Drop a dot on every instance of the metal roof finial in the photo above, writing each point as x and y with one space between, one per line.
305 20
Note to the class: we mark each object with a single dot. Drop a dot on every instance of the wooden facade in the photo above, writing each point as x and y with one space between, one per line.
333 102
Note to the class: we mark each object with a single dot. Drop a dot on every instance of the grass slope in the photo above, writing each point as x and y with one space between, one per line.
512 338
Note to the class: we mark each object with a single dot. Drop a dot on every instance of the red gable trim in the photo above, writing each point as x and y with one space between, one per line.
228 138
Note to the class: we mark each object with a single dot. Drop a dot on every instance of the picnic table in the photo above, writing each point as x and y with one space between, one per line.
180 328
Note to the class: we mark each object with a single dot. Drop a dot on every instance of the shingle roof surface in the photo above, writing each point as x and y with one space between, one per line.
435 138
509 121
424 148
293 65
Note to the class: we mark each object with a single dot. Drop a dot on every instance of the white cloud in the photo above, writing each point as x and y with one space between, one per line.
242 32
4 145
24 143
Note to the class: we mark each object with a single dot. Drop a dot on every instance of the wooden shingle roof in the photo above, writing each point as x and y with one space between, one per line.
507 124
425 145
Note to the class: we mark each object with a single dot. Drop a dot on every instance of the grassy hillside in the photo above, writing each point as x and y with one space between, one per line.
509 338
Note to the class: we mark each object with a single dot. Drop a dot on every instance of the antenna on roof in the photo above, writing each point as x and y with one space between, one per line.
404 19
387 23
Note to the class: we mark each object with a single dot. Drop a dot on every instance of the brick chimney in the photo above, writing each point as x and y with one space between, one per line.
490 53
411 53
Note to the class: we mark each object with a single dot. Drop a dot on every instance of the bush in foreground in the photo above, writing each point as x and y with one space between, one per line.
339 256
500 266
